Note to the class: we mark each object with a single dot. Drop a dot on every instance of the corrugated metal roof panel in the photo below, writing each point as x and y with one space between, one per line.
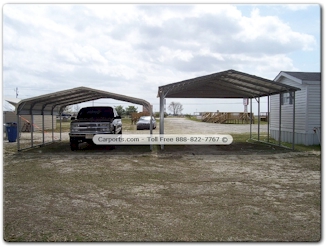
226 84
54 103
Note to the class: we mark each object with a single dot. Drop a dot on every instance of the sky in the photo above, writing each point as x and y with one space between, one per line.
132 49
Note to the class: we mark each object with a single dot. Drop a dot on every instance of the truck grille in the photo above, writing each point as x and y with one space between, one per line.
90 128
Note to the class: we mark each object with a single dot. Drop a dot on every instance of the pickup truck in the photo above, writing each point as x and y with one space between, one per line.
91 121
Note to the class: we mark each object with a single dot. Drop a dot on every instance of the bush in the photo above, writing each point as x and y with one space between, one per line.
157 115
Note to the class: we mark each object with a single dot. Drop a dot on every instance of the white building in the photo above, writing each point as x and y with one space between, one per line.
307 109
26 120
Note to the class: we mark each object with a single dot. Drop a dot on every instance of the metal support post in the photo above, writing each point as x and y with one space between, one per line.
162 115
280 119
32 130
293 96
268 116
258 118
60 124
251 118
18 132
52 126
43 128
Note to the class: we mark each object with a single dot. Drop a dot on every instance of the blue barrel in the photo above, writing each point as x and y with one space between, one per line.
11 129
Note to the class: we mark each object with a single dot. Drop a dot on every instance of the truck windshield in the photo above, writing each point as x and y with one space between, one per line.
96 113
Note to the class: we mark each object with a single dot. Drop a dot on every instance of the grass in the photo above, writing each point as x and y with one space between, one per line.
245 137
298 147
65 125
194 118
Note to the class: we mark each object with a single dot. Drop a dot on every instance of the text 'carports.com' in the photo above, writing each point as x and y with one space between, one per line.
172 139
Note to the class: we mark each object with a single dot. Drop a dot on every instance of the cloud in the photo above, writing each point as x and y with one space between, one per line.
266 32
134 48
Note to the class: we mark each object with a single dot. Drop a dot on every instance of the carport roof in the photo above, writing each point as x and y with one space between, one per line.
54 103
226 84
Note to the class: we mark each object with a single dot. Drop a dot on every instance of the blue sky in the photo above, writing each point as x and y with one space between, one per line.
132 49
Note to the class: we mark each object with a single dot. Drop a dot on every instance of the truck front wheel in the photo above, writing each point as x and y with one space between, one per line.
73 145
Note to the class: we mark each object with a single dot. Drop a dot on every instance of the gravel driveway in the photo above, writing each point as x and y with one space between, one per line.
182 125
171 126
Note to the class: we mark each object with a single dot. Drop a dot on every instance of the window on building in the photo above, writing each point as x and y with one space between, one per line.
287 98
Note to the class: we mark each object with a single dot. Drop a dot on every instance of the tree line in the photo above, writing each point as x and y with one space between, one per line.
175 108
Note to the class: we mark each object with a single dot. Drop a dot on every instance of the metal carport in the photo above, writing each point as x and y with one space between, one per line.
226 84
54 104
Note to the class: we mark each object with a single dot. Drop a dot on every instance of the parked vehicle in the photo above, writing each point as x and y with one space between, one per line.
91 121
144 123
64 117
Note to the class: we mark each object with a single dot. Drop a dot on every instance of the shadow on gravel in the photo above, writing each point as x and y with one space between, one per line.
239 148
84 148
236 148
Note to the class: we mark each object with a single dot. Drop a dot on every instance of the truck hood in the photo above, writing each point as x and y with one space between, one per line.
93 120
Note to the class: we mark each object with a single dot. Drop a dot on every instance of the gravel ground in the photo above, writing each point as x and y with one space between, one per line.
171 126
243 192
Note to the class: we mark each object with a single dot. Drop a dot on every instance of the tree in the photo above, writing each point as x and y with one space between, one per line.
157 114
130 109
176 108
76 108
68 109
120 110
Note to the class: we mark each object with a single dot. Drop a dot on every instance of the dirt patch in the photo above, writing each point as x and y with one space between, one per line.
242 192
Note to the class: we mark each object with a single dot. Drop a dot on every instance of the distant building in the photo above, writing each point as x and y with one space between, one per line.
307 109
25 121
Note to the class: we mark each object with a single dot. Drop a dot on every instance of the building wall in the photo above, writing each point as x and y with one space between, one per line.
314 107
313 138
12 117
287 111
307 114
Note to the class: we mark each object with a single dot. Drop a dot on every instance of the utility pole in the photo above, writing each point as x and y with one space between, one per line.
245 103
16 90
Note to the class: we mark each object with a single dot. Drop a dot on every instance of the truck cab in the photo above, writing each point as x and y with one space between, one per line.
91 121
